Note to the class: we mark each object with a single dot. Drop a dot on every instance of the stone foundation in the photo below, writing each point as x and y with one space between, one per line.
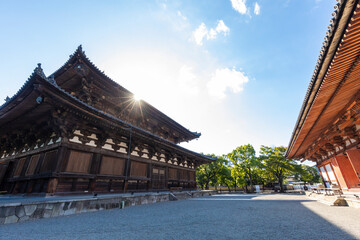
19 212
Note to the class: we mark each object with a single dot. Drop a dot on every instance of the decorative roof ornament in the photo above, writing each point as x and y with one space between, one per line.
7 99
51 79
79 51
40 71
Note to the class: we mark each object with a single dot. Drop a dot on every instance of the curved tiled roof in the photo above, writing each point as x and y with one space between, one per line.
79 53
39 74
37 71
324 60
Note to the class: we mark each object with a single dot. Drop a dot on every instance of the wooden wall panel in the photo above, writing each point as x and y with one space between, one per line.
173 173
112 166
192 176
19 167
354 156
138 169
183 175
32 165
339 174
348 172
78 162
49 161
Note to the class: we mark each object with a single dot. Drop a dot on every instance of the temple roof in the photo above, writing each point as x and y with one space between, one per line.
30 96
118 98
334 82
81 78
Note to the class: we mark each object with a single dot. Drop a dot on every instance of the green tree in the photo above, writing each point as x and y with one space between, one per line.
209 173
308 174
244 160
277 165
226 178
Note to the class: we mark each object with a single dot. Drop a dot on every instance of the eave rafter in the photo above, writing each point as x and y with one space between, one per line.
323 117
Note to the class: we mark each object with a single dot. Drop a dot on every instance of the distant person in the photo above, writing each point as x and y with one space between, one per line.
305 188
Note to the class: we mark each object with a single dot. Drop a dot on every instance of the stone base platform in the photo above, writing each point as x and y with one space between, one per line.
15 209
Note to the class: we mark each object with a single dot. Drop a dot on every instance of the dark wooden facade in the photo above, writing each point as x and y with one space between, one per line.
77 131
328 128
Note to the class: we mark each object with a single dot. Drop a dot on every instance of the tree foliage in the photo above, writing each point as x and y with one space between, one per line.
277 165
242 168
207 174
246 164
308 174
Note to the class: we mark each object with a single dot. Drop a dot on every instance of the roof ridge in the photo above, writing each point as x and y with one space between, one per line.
38 71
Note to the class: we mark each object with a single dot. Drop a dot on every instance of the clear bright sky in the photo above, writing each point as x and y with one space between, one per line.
234 70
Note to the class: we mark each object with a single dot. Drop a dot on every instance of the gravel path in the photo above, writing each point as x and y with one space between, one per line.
231 216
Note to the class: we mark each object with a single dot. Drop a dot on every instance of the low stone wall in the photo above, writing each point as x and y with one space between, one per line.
19 212
326 199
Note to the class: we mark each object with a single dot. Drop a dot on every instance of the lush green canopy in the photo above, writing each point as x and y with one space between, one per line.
243 168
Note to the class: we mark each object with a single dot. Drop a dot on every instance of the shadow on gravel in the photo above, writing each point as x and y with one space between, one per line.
188 220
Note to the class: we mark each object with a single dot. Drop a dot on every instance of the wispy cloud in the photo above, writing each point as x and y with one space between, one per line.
202 32
257 9
181 15
226 79
239 6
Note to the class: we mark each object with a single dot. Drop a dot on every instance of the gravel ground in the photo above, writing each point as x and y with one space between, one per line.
231 216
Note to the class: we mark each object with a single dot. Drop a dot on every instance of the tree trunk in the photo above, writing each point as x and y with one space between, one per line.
251 184
281 185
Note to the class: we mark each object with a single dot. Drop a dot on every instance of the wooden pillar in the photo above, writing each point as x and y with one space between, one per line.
149 175
94 169
61 157
166 177
322 174
51 188
127 173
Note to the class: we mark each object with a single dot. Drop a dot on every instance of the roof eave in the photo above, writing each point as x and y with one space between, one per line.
339 22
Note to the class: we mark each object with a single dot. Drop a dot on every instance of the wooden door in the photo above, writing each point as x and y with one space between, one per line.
158 178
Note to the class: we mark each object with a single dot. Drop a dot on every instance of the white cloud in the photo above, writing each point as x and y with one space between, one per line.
226 79
181 15
202 31
212 34
239 6
257 9
221 27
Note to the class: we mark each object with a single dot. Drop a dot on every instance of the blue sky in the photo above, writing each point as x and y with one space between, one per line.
234 70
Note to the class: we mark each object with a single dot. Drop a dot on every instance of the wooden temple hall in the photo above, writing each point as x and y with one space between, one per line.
327 131
78 131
